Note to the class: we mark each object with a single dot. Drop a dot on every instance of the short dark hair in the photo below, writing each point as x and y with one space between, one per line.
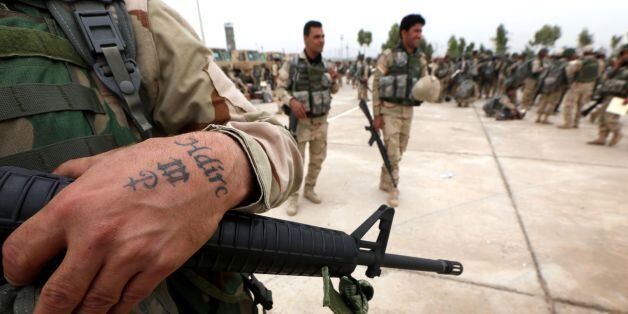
410 20
308 26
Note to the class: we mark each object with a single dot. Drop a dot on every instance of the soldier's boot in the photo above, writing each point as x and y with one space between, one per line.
615 139
601 140
545 119
310 195
565 126
393 197
293 205
538 118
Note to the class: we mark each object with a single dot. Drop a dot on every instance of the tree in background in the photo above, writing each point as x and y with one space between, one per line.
364 38
528 51
501 40
615 40
469 49
393 37
426 48
546 36
462 44
585 38
453 50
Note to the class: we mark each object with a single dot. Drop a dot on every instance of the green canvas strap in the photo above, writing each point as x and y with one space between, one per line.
210 289
108 50
48 158
21 42
353 295
30 99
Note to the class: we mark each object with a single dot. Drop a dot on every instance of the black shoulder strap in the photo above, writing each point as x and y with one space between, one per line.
108 48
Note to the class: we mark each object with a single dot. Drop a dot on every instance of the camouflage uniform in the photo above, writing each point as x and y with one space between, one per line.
554 85
397 116
313 129
581 89
530 83
616 85
181 88
362 77
443 71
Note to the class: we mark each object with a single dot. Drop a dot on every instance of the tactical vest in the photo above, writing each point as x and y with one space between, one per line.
556 77
404 70
443 70
52 106
62 99
617 83
488 70
589 71
311 85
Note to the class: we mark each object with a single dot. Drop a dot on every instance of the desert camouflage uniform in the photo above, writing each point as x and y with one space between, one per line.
183 90
397 121
312 130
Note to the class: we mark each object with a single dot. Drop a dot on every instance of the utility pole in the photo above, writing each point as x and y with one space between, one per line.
200 20
342 37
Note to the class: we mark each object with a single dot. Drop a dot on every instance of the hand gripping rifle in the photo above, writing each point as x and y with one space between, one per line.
244 243
375 138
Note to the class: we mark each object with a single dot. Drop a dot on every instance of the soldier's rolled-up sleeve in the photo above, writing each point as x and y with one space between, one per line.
380 70
192 93
284 82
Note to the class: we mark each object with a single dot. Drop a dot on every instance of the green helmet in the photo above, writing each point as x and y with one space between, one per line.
569 52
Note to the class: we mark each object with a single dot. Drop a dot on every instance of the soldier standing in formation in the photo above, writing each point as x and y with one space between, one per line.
553 84
583 73
537 66
616 85
397 71
306 85
362 73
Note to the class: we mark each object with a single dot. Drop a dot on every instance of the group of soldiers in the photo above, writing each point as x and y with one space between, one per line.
125 98
306 84
561 80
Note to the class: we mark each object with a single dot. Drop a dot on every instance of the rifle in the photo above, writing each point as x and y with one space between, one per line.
539 85
244 243
562 97
293 121
588 110
375 138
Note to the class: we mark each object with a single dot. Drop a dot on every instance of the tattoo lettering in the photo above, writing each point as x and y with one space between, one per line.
193 143
147 178
174 171
212 167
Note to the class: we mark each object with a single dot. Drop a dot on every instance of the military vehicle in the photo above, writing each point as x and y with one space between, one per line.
222 58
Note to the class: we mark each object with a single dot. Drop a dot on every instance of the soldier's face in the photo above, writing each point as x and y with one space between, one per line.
315 41
412 37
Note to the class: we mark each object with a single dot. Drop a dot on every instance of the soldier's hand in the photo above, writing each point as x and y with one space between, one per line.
298 108
378 122
132 217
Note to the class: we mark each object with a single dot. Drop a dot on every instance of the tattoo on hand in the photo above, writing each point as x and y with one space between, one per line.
212 167
148 178
175 170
